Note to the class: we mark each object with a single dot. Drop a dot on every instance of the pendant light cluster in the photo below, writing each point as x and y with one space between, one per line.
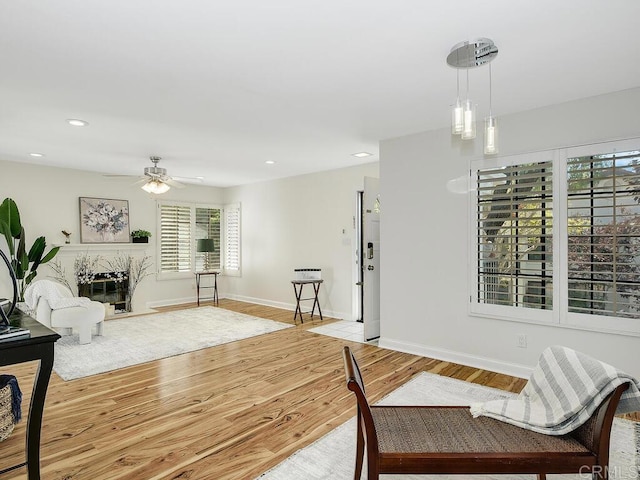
466 55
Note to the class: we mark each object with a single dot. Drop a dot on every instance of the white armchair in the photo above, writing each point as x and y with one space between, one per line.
56 307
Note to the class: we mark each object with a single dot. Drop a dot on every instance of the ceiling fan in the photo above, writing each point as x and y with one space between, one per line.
156 180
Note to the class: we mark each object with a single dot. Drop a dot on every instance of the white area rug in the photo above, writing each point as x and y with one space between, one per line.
135 340
332 457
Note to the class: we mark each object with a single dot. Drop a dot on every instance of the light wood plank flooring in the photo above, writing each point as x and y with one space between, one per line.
227 412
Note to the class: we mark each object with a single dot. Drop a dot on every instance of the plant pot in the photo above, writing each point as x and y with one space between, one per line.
140 239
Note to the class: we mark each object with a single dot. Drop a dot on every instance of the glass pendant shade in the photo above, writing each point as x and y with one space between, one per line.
469 120
457 118
155 186
490 135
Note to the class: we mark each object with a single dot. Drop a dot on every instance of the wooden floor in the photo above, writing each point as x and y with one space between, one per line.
227 412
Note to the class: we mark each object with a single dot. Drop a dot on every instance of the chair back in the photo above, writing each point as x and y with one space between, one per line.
356 385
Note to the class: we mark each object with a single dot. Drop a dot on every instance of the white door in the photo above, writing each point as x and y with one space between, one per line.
371 258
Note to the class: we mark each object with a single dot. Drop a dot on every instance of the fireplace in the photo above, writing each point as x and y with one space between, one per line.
108 287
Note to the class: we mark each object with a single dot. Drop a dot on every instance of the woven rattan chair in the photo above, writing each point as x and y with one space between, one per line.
448 440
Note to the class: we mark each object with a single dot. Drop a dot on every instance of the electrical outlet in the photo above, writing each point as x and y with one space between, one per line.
522 341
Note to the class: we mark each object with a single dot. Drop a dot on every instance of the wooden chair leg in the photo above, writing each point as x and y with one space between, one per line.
359 450
542 476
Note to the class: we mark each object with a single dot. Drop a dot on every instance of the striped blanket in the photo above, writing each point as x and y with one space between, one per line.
564 389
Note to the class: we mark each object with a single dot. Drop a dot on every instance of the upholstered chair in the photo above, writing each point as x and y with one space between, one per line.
57 308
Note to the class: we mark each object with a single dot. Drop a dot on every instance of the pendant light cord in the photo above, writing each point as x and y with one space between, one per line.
467 83
490 90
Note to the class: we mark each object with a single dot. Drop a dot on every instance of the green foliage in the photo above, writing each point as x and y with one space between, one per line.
140 233
24 263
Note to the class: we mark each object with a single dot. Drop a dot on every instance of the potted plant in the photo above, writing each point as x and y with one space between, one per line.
24 262
140 236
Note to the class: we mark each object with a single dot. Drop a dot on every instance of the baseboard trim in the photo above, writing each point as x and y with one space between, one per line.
171 301
242 298
282 305
513 369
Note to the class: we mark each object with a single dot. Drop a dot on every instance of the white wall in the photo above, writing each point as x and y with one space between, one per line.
298 222
424 292
286 224
47 198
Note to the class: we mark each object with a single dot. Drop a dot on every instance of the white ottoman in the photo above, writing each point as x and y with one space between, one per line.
80 319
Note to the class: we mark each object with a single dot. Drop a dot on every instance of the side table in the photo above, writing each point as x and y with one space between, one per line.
297 288
214 286
37 346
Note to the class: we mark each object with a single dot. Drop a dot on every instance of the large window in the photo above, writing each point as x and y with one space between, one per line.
182 225
557 237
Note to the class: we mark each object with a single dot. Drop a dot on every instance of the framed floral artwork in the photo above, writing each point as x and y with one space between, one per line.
103 220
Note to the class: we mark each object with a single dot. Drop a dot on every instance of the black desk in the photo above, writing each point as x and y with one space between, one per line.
297 288
214 286
39 346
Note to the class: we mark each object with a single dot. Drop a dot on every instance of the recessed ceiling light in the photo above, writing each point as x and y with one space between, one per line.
36 154
77 122
270 162
199 178
361 154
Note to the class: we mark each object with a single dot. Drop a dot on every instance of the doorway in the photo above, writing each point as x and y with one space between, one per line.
367 263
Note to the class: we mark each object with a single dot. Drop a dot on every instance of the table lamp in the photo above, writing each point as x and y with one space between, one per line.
206 246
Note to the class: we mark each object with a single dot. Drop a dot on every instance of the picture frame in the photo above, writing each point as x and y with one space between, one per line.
104 220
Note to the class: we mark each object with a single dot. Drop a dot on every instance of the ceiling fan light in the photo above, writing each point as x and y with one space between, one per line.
156 187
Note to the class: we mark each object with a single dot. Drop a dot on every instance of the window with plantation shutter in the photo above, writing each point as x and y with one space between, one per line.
603 233
232 260
556 237
181 225
514 225
175 237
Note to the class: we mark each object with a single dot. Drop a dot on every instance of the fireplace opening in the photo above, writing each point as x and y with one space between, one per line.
108 287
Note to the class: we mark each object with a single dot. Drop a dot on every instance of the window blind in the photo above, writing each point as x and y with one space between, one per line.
603 234
514 235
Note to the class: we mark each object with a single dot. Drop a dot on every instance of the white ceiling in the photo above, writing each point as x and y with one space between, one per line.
216 88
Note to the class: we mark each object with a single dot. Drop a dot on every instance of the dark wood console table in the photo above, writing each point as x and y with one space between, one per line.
37 346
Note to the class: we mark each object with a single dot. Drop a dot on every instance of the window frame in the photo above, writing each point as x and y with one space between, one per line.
559 315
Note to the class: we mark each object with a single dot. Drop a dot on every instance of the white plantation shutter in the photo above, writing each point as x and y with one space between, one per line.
175 237
603 232
232 260
514 235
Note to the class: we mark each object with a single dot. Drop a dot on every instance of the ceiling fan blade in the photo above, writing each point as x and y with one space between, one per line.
141 181
114 175
189 179
171 182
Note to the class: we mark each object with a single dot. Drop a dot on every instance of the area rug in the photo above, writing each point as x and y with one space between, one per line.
332 457
135 340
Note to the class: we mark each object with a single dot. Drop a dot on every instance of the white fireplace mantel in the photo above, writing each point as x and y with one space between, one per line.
102 247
